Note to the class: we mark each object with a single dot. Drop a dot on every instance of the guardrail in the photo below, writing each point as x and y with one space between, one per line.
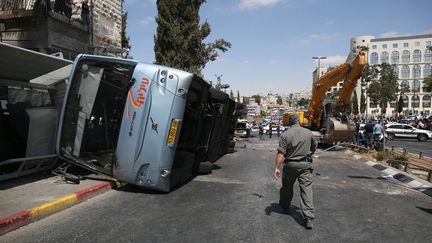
406 164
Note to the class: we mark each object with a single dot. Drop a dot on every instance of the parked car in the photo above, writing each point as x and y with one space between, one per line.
407 131
274 129
242 130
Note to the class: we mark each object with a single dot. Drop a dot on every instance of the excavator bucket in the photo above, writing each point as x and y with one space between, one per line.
339 131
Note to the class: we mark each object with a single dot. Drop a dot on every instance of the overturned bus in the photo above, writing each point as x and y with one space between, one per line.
143 124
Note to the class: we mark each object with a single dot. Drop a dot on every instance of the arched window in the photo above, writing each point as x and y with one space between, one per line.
415 100
384 57
417 56
405 71
426 101
427 55
427 70
395 57
416 85
405 56
395 70
416 71
405 87
405 100
374 58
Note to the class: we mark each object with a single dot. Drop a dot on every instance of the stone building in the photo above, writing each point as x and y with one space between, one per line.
51 26
411 61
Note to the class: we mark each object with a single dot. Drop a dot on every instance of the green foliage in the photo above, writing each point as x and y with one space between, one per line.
354 101
385 88
362 102
397 161
427 82
303 102
279 100
257 99
383 155
179 38
231 94
263 113
238 96
124 38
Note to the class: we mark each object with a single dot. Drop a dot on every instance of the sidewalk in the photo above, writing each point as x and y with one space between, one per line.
30 198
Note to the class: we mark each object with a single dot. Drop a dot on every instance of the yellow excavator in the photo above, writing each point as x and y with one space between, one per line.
328 126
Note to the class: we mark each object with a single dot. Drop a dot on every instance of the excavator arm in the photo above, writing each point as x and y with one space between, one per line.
334 130
349 71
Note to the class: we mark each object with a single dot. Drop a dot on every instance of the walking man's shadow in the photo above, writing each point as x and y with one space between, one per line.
294 212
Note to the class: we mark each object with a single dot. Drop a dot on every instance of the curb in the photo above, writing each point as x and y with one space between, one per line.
398 175
24 217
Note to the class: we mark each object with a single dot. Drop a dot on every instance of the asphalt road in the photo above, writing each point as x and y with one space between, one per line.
238 203
412 145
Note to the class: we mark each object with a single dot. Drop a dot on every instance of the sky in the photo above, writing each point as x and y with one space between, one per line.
273 41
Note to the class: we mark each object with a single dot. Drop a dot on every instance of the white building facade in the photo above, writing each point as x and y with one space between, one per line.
411 61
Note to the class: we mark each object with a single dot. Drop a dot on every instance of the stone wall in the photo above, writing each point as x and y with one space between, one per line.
107 25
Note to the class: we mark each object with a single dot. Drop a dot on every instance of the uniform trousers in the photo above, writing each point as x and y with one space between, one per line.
301 171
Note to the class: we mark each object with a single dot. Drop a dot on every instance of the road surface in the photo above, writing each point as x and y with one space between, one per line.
238 202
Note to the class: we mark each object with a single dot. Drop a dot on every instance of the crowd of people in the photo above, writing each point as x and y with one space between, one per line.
370 132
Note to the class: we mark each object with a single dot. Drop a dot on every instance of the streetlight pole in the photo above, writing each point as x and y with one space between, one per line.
319 63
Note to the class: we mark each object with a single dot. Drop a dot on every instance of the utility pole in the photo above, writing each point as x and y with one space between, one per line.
319 64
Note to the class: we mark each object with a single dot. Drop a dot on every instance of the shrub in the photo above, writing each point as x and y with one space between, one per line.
397 161
383 155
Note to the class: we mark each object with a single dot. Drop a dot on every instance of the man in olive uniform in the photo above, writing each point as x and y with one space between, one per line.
295 149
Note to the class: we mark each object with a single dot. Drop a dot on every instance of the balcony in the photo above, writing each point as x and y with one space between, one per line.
47 28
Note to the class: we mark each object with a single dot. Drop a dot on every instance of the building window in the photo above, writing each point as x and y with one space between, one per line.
415 100
405 101
406 45
428 43
427 70
416 71
417 43
395 45
395 70
374 58
405 87
416 85
405 71
426 101
395 57
405 56
384 46
384 57
427 55
374 46
417 56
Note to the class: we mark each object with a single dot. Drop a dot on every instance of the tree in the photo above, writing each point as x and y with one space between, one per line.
303 102
231 94
257 99
279 100
369 73
238 96
124 38
179 38
427 82
362 102
354 101
404 89
385 88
